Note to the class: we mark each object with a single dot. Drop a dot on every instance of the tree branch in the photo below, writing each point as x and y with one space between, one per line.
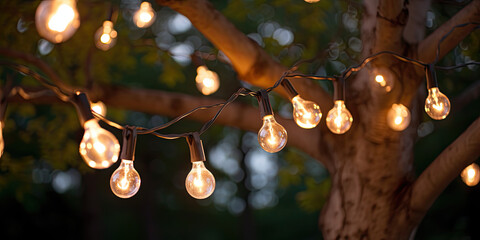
414 31
250 61
446 167
428 47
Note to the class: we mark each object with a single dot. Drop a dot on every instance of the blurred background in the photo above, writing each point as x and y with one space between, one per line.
46 189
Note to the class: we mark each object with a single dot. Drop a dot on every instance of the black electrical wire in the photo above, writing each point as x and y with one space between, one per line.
437 54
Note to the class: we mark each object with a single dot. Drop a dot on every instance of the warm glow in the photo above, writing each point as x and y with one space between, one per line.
470 175
125 181
207 81
306 114
105 36
380 80
61 18
200 182
145 16
383 80
272 136
57 20
2 142
398 117
339 120
312 1
99 107
437 105
99 148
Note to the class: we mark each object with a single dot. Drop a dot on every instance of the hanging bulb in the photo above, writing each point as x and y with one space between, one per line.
99 148
125 181
105 36
100 108
145 16
398 117
385 83
207 81
339 120
2 142
57 20
437 104
272 136
200 182
471 175
306 114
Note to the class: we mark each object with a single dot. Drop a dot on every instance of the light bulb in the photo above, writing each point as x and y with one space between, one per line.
384 83
200 182
307 114
437 104
99 107
339 120
312 1
145 16
125 181
57 20
2 142
105 36
398 117
99 148
207 81
272 136
471 175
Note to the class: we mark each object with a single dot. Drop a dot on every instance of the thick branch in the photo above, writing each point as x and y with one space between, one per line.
446 167
250 61
414 31
428 47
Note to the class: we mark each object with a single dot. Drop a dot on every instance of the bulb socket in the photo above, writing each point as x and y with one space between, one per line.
129 143
264 103
82 104
431 76
339 89
291 92
196 147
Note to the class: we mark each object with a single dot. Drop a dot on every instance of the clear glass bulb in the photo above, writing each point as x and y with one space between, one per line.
105 36
385 83
99 107
145 16
200 182
306 114
99 148
398 117
272 136
437 104
125 181
339 120
207 81
471 175
57 20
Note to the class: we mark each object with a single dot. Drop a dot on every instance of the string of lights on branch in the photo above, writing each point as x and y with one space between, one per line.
57 20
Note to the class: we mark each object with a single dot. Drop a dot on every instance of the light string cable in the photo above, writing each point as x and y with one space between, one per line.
437 54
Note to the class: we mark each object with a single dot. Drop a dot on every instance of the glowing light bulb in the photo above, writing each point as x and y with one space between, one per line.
145 16
200 182
272 136
207 81
57 20
471 175
398 117
105 36
99 148
2 142
99 107
125 181
385 83
312 1
437 105
339 120
306 114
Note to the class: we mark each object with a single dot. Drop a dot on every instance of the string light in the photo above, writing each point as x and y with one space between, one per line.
207 81
145 16
383 82
398 117
99 148
437 105
105 36
2 142
339 119
200 182
125 181
57 20
272 137
470 175
306 114
100 108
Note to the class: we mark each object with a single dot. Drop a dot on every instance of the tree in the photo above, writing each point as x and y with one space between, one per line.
374 192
